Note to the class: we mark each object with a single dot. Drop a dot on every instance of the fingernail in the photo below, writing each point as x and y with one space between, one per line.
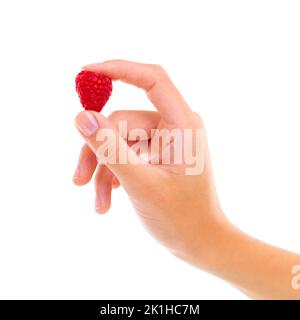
98 206
76 173
87 123
91 65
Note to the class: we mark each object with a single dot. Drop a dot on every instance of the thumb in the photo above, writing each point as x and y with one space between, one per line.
111 149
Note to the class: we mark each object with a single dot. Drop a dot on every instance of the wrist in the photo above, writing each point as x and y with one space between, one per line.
212 248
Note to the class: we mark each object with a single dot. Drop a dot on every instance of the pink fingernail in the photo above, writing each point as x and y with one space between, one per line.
76 173
87 123
92 65
98 205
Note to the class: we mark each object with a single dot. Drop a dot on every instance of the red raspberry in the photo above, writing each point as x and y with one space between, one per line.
94 89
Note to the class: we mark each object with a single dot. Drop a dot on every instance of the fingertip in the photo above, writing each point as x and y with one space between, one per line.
77 177
101 210
93 66
101 207
85 169
78 181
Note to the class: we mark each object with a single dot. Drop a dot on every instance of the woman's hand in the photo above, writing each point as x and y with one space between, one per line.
179 208
176 201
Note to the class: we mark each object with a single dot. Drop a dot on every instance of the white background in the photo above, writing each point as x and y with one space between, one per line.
236 62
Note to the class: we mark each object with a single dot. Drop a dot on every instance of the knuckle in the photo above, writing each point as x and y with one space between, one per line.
115 116
159 71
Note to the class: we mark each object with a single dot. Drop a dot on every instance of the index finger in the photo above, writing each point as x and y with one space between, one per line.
153 79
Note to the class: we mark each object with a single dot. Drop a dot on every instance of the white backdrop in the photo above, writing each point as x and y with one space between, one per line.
236 62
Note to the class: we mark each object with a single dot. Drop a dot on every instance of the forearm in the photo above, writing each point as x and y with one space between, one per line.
260 270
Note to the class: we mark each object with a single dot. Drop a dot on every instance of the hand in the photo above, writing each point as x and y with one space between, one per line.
181 211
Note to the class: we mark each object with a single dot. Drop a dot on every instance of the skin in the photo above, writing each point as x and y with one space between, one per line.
183 212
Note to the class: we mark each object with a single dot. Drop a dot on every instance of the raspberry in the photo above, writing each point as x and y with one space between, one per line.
94 89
